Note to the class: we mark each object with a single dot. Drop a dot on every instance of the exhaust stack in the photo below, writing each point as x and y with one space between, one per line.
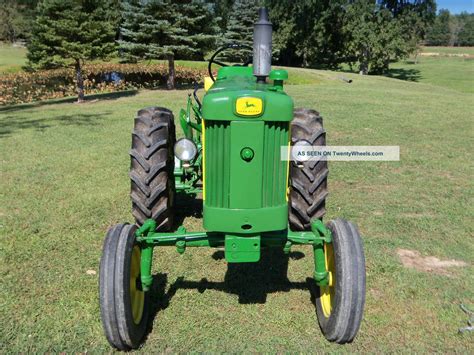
262 46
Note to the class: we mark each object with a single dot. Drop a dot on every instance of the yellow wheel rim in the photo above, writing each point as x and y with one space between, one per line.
327 293
137 297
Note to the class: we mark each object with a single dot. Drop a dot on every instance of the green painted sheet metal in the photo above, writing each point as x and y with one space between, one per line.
232 220
242 249
246 176
240 192
235 82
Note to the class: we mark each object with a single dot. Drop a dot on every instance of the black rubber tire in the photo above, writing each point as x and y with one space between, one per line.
152 165
114 290
308 180
344 321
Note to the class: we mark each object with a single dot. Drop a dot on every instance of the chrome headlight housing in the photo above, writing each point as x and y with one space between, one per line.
185 150
298 147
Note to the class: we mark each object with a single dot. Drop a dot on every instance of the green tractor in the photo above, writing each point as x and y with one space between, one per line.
253 198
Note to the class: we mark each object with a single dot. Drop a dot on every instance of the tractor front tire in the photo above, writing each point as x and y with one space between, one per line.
124 307
152 165
308 179
340 305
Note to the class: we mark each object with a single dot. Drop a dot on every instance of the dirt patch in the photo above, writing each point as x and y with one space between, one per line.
413 259
417 215
436 54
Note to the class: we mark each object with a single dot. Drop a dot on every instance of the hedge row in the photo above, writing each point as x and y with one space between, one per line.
25 87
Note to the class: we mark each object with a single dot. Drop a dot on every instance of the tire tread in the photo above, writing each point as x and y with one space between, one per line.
308 183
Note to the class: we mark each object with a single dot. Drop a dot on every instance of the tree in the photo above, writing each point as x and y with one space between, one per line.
70 32
439 34
374 36
13 22
321 33
239 29
415 17
308 32
466 35
113 14
167 29
132 45
222 10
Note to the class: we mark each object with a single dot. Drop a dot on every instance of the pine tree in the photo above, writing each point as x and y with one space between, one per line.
198 19
167 29
70 32
132 45
239 30
222 9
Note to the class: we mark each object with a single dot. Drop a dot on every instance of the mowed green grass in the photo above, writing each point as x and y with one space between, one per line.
456 73
12 58
65 182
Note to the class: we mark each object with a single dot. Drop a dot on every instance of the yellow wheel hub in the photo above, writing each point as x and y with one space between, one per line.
137 297
327 293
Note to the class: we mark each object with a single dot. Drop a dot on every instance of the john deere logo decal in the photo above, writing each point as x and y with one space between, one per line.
249 106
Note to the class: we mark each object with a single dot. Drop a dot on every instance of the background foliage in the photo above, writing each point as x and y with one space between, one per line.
25 87
364 35
308 33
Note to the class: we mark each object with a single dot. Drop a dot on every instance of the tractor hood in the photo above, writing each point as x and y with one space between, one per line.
236 95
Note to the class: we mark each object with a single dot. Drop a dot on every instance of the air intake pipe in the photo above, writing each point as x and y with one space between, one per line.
262 46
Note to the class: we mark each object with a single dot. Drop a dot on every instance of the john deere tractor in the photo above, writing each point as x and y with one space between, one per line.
253 197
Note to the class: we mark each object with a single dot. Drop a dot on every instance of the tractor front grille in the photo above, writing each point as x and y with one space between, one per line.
274 169
218 167
217 153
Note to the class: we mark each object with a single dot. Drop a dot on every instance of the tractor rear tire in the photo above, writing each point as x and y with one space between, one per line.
124 308
152 165
308 179
341 304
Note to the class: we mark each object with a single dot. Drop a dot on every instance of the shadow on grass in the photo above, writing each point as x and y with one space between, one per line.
106 96
251 282
404 74
410 74
12 124
186 206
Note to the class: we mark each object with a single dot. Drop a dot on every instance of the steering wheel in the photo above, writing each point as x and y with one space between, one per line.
222 64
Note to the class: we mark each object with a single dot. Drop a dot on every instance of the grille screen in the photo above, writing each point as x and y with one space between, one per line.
218 163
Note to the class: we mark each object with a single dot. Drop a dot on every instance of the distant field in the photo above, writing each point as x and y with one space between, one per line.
449 50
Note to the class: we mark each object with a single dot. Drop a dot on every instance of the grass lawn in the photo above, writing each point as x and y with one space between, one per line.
11 58
65 181
451 72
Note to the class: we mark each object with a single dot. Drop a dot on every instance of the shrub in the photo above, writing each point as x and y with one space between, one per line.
98 78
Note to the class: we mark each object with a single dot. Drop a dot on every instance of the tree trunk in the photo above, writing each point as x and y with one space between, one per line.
80 81
386 65
171 73
364 63
363 67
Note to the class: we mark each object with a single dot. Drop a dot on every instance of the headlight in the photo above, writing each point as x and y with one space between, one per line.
300 148
185 149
